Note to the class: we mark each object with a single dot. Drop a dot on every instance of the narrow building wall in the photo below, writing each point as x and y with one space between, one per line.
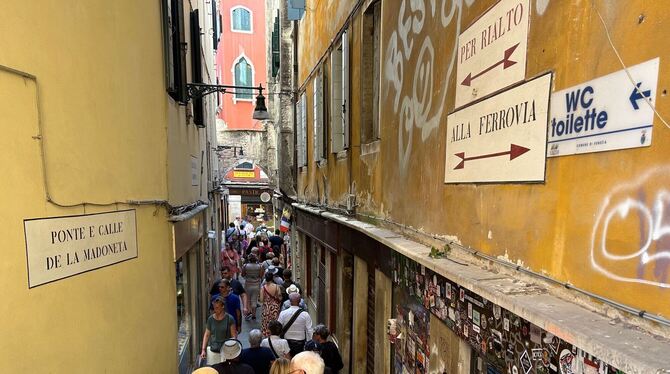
572 225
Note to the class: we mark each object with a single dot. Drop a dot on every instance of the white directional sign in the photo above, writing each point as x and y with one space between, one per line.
502 138
492 51
606 113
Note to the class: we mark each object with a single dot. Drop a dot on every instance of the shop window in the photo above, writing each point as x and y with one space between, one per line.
183 306
308 265
321 282
241 19
371 73
243 77
370 359
332 299
339 96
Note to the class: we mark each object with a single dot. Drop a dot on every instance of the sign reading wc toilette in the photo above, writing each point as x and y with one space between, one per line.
606 113
59 247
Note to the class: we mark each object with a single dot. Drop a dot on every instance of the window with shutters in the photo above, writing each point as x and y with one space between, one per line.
243 76
301 128
174 47
370 73
216 25
240 19
319 133
196 67
339 96
275 47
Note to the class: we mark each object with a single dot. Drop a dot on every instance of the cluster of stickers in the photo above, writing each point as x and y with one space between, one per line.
507 342
505 125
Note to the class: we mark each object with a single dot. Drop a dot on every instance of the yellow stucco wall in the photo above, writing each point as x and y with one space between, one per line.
551 227
99 69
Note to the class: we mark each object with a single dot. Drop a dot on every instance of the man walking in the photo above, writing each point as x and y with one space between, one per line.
233 303
327 349
259 358
236 286
297 325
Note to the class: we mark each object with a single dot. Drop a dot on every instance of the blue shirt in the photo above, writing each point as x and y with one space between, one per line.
233 304
259 358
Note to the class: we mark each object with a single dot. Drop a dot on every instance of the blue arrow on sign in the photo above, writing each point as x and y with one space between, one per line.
637 95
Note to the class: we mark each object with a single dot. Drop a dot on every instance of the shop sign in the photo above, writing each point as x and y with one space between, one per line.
502 138
244 174
60 247
492 51
606 113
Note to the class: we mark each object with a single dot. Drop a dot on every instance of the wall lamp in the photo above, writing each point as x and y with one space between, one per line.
198 90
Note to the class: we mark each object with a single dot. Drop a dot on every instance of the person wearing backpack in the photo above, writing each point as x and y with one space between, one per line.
297 325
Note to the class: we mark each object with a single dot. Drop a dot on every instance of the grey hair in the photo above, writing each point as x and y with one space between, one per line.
322 331
255 337
295 298
308 361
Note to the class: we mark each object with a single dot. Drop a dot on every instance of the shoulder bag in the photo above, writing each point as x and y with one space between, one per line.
290 322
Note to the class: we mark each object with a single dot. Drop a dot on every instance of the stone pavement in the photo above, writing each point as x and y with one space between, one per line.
247 326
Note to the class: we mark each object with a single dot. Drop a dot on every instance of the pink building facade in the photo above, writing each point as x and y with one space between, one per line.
241 60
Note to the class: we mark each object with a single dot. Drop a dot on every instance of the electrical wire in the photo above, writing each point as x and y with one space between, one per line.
625 68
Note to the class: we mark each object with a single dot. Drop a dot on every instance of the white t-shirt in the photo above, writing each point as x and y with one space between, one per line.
249 228
280 345
301 329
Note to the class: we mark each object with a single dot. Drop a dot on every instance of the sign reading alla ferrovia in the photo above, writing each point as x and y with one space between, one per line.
59 247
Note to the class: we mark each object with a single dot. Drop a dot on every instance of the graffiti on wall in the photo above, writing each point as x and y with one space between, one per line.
419 100
506 342
635 210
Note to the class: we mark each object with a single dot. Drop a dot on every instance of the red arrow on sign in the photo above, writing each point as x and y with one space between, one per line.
514 152
506 62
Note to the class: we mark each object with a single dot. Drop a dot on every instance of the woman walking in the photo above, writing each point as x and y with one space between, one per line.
252 272
220 327
271 299
230 259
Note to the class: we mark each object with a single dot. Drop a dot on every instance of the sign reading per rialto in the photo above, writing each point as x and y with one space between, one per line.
502 138
60 247
492 51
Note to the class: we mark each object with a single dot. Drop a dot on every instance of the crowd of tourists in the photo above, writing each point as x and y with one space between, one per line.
287 341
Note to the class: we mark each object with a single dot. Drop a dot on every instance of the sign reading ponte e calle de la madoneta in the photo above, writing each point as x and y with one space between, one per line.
60 247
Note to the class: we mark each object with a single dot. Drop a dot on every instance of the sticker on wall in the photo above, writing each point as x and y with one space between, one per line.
503 341
566 361
502 138
526 365
615 111
492 51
